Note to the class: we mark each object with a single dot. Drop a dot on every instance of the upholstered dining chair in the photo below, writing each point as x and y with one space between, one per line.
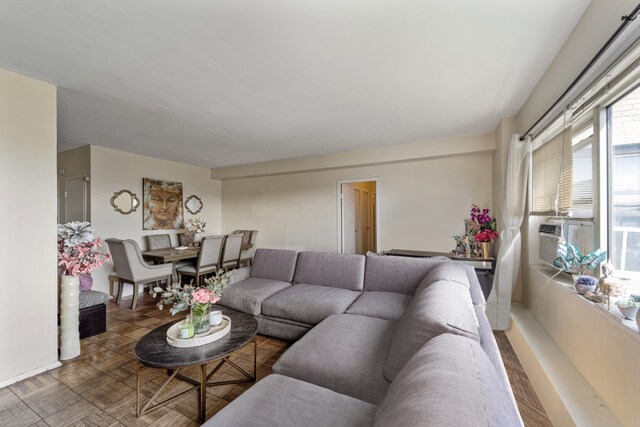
248 245
132 268
231 251
158 241
208 260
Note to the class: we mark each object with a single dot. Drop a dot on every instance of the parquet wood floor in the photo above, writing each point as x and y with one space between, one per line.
98 387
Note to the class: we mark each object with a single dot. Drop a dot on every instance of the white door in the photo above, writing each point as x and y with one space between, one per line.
364 222
75 199
348 219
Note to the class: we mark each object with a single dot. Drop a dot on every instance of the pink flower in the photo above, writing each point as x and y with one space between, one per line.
203 296
485 236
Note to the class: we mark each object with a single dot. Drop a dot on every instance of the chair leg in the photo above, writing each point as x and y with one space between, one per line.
119 294
135 296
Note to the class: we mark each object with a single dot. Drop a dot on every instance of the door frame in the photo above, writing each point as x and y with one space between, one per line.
340 222
85 182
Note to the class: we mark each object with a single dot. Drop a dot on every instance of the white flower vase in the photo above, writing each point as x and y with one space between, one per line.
69 317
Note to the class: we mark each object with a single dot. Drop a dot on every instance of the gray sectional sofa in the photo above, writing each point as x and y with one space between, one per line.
381 341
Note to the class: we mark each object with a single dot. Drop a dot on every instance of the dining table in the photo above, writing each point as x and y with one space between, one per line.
172 255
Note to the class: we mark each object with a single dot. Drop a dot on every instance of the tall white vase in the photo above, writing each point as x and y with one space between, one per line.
69 317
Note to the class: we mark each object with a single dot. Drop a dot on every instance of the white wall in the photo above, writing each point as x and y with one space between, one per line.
599 21
421 203
113 170
28 306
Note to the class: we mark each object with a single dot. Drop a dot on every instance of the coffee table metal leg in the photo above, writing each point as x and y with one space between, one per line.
203 393
138 389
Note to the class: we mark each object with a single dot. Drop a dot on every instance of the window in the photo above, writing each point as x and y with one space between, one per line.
562 170
624 186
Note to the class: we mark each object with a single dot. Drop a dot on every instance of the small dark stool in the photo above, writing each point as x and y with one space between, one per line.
93 313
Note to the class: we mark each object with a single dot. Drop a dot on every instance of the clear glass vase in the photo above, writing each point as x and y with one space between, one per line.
200 317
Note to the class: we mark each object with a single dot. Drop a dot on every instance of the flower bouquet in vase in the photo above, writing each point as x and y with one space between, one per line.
193 229
79 253
482 227
196 299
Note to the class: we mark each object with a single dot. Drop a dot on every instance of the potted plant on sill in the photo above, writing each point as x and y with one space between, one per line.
629 306
570 258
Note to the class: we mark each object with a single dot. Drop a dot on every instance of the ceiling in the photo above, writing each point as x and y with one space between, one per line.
222 82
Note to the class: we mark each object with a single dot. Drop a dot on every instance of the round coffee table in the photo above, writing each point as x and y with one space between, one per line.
153 351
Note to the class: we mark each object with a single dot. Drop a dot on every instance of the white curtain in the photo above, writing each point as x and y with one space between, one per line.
508 261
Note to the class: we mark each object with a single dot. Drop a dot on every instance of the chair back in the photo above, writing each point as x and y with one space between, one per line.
210 250
232 248
248 236
158 241
127 258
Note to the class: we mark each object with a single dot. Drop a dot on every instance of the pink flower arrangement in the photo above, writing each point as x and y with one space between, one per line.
485 236
484 226
78 252
204 296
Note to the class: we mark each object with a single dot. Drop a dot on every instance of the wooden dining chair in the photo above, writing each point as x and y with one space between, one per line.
132 268
248 246
208 260
231 251
158 241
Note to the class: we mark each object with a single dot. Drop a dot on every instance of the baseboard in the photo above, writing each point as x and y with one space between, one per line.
29 374
567 397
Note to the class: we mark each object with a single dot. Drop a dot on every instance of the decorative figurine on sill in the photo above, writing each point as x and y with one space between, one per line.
608 286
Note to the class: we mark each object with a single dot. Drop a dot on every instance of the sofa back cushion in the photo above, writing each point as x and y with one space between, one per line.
446 270
274 264
448 382
335 270
396 274
442 307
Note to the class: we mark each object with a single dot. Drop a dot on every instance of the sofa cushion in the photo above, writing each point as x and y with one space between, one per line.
442 307
279 401
446 270
448 382
281 328
385 305
345 353
247 296
308 303
92 298
395 273
330 269
275 264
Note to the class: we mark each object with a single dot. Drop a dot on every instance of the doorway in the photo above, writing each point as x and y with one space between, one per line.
75 198
358 231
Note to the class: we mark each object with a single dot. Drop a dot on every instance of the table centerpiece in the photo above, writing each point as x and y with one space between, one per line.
196 299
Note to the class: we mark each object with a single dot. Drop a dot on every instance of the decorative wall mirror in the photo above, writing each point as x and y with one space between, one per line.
125 202
193 204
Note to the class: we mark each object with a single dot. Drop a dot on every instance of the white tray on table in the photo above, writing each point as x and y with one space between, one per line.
215 333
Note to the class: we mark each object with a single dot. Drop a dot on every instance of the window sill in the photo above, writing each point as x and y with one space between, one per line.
612 314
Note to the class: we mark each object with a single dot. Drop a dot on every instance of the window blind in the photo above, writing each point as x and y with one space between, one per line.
552 175
582 199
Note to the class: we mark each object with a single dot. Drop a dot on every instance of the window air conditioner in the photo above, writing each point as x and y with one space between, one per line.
550 237
579 233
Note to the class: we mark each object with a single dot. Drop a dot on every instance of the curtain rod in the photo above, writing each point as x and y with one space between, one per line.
626 20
